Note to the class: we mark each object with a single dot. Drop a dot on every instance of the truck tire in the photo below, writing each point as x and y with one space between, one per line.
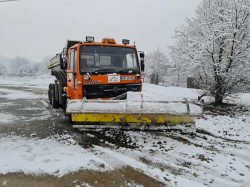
54 103
64 105
49 94
70 119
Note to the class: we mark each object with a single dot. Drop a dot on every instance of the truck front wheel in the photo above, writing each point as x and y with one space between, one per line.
54 103
49 94
70 119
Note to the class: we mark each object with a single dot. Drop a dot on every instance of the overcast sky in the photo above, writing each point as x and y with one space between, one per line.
37 28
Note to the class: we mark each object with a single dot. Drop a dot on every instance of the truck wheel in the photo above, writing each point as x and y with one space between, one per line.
54 103
49 94
70 119
64 105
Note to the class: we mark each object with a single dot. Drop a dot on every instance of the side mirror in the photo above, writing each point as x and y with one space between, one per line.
142 55
63 63
142 65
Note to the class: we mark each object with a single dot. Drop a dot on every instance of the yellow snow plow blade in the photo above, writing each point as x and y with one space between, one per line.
133 118
152 115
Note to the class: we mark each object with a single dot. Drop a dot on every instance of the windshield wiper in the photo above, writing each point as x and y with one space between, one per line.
128 71
103 71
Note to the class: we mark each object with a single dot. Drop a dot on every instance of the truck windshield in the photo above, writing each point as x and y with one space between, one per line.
105 59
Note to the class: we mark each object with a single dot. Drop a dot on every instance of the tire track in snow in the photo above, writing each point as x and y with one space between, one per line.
199 162
198 141
201 131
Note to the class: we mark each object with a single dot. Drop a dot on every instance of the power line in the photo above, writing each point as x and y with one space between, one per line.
4 1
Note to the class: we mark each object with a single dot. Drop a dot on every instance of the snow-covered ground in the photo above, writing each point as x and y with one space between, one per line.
218 156
32 81
51 156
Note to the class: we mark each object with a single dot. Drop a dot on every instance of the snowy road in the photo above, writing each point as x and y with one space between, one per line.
36 139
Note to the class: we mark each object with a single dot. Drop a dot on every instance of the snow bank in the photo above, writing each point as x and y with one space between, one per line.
243 99
153 92
39 156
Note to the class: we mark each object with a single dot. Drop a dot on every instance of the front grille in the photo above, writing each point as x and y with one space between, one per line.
109 90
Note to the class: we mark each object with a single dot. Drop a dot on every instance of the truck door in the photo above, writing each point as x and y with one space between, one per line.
71 73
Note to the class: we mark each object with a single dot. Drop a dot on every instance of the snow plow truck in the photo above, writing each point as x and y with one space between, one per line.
92 83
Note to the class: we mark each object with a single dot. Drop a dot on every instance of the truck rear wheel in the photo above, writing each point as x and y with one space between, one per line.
54 103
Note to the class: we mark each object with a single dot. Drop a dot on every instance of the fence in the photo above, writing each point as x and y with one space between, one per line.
173 80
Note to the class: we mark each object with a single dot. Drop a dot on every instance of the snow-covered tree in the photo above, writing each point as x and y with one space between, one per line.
25 69
20 66
17 65
45 64
2 69
156 65
215 47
